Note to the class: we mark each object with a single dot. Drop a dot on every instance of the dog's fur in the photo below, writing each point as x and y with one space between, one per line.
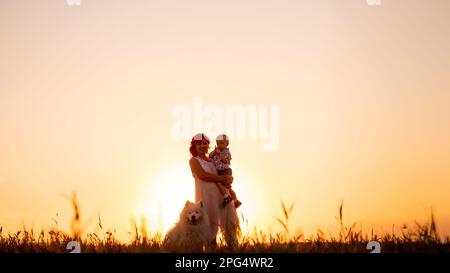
192 232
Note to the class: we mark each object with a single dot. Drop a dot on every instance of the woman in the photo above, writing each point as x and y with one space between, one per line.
205 176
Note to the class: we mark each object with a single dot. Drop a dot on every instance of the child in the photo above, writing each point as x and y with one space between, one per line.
221 158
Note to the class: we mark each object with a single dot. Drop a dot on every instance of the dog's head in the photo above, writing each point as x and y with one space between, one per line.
193 213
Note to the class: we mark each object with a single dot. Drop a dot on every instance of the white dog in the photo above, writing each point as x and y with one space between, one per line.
192 231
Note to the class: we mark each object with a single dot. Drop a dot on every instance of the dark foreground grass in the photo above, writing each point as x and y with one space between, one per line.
421 238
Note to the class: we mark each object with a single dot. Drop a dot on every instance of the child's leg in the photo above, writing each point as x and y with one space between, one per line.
226 194
232 193
222 188
237 203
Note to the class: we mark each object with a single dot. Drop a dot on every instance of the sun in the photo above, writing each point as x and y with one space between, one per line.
166 194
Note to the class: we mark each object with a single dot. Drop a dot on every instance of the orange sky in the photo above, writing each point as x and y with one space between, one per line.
86 94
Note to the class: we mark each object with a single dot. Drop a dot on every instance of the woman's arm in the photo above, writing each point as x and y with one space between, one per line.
205 176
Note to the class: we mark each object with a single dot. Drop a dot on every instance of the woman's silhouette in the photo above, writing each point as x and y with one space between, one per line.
205 176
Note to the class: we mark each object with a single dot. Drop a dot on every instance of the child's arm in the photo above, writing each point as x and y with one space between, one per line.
213 153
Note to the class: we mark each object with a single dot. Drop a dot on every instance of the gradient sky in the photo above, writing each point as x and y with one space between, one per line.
86 94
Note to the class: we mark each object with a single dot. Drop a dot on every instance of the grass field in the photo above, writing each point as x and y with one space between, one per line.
419 238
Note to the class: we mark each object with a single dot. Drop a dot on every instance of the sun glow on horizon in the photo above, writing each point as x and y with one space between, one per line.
165 194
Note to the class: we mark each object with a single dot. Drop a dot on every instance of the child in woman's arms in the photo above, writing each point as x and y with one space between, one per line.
221 158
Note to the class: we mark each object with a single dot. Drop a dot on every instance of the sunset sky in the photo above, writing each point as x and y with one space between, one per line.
87 92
